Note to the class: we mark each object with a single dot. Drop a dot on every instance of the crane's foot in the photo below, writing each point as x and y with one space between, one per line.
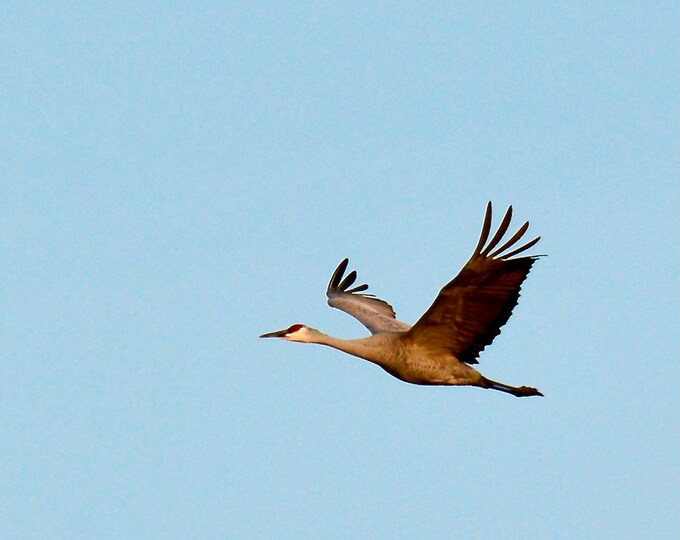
526 391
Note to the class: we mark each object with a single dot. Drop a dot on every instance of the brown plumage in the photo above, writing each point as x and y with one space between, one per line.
471 309
465 317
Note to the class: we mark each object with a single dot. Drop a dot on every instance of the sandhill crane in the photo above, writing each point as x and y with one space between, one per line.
442 346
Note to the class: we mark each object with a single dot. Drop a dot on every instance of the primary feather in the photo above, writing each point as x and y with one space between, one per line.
375 314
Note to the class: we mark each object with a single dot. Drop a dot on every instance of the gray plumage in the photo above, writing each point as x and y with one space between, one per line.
466 316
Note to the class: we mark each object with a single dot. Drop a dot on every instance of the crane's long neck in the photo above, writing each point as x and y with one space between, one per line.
369 348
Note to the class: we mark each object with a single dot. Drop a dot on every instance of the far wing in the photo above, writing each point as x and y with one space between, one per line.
375 314
471 309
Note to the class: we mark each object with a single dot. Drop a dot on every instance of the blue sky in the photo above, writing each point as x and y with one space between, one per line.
177 179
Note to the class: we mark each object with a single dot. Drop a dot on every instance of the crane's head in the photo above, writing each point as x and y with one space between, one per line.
297 332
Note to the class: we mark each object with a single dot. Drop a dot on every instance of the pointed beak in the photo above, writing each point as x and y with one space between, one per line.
280 333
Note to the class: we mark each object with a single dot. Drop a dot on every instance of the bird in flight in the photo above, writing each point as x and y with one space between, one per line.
444 344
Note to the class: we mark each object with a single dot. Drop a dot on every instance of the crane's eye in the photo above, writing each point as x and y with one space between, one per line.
294 328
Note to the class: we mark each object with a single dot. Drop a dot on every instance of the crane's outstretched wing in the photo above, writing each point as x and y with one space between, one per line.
375 314
471 309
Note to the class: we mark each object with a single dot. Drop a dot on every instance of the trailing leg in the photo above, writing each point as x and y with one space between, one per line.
517 391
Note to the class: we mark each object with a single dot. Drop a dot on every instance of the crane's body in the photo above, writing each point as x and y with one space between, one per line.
395 353
465 317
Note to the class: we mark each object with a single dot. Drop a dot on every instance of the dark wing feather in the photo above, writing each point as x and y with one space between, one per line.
375 314
471 309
